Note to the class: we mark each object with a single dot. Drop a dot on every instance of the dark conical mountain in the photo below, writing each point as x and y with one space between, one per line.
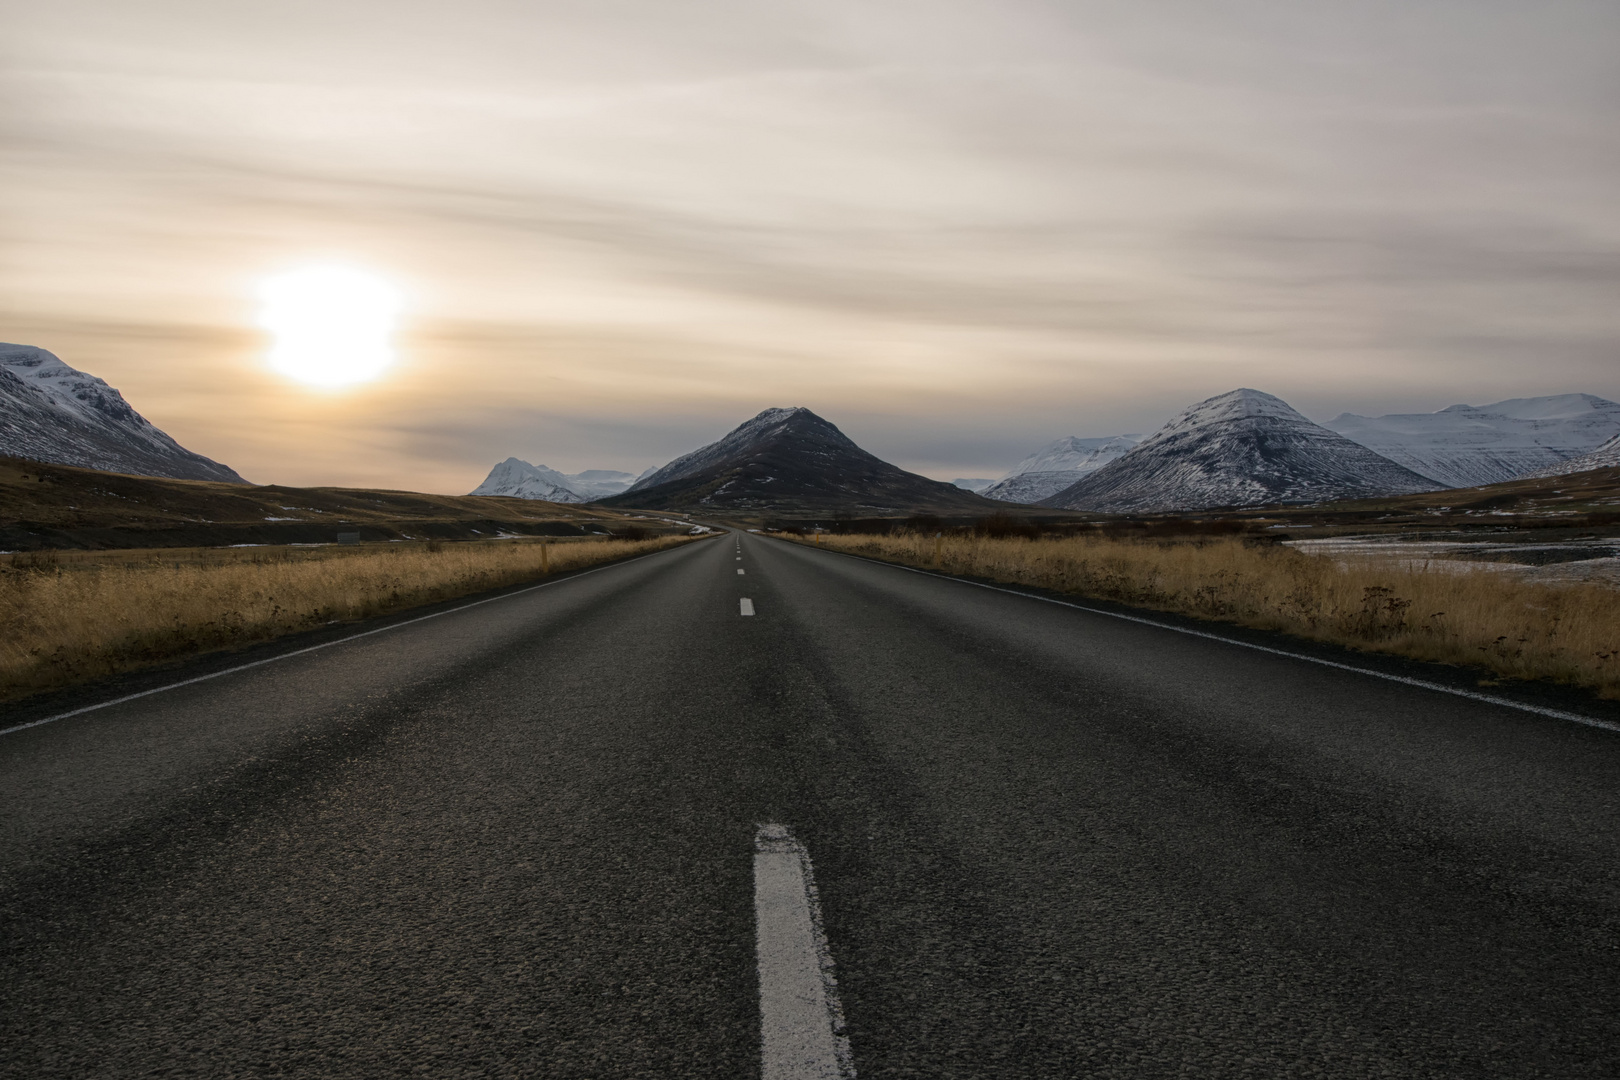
787 460
1242 448
52 412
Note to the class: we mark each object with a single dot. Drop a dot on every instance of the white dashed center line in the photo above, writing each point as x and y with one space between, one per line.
801 1025
747 606
739 569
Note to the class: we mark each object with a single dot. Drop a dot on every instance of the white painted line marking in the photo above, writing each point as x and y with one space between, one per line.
324 645
739 569
801 1024
747 606
1490 699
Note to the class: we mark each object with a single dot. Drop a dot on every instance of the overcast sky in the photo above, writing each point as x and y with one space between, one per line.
958 230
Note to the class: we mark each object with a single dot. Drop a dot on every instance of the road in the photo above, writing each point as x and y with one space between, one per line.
518 840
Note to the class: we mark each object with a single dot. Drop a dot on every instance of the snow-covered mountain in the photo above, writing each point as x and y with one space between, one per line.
1058 465
52 412
973 483
1469 445
1241 448
600 483
1606 456
791 460
524 481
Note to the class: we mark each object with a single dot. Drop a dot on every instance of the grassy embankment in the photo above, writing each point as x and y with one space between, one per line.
1514 629
73 617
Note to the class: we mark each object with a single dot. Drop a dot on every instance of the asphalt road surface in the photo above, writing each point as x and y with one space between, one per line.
518 840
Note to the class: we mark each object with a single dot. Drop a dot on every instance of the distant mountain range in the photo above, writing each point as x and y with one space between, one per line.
1058 465
55 413
524 481
1462 446
787 460
1470 445
1243 448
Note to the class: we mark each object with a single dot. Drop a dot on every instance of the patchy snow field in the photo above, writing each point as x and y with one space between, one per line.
1576 561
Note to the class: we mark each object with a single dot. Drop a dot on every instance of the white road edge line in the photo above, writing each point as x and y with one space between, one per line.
1491 699
322 645
801 1023
746 605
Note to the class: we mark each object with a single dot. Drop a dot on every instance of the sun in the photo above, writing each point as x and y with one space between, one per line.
333 325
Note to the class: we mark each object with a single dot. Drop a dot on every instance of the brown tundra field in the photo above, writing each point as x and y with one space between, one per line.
1441 611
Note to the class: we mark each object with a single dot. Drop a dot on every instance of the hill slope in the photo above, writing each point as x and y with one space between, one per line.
1058 465
1468 445
54 413
1606 456
59 506
787 460
1242 448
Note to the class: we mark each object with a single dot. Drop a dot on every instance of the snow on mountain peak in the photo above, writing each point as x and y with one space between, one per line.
1241 404
1072 452
1552 407
50 411
1241 448
766 426
771 416
68 388
791 458
517 478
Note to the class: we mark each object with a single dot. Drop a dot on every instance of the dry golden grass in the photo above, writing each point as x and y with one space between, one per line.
1516 629
76 617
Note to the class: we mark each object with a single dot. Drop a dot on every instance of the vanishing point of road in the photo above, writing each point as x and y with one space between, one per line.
529 837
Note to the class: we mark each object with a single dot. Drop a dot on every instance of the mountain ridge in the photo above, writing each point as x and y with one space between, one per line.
54 413
1469 445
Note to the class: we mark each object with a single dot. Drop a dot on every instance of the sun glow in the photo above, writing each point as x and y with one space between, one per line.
333 325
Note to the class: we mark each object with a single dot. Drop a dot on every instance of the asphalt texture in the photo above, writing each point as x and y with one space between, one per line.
517 840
